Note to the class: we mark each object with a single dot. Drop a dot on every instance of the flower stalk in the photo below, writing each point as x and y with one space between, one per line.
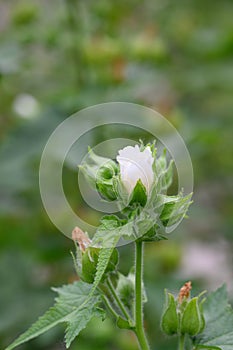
117 299
139 327
181 342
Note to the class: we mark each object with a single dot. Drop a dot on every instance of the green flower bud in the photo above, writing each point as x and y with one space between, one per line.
87 257
104 180
183 315
99 172
169 321
90 261
191 319
136 171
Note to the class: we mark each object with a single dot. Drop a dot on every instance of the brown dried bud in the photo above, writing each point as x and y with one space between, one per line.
185 291
79 236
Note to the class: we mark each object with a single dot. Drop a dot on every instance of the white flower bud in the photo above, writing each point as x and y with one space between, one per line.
135 165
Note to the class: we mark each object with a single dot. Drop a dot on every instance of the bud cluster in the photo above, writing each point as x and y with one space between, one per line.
183 315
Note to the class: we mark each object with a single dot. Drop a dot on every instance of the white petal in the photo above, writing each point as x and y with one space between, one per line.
135 165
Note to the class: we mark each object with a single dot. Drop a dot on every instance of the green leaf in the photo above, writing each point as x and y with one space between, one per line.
103 261
104 257
218 333
164 173
76 324
108 231
125 290
175 208
110 222
73 303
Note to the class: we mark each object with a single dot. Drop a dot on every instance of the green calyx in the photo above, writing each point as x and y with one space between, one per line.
100 173
169 321
104 181
138 194
192 321
89 264
184 317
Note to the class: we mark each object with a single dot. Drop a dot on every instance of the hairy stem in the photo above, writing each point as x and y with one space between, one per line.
139 329
110 308
117 299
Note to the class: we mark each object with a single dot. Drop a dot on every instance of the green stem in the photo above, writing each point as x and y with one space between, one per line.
110 308
117 299
181 342
139 329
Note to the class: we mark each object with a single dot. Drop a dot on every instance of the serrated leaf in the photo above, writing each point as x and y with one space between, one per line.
76 324
218 314
110 222
72 300
108 230
103 260
73 303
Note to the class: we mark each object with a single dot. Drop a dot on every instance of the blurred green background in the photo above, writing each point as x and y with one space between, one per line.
57 57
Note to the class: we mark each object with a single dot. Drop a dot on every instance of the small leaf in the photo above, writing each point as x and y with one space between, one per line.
175 208
125 289
108 231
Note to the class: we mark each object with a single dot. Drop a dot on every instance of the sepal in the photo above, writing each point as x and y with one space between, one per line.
174 208
192 319
169 321
138 195
183 315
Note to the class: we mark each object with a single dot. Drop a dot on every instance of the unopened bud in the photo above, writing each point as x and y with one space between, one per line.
79 236
169 321
185 291
99 172
192 319
89 264
88 257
